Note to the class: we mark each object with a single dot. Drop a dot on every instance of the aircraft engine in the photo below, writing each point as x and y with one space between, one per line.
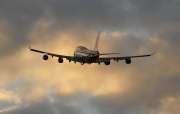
128 61
60 60
107 63
45 57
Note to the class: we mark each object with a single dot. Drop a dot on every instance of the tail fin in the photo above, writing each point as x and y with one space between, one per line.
97 42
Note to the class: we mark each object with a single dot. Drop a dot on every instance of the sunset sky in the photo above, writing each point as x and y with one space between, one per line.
30 85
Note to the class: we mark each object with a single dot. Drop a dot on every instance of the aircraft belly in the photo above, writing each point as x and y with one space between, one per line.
90 59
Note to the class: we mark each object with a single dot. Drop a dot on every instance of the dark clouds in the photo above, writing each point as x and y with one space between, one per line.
97 15
148 85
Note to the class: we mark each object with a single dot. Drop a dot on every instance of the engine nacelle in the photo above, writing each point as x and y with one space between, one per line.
128 61
45 57
60 60
107 63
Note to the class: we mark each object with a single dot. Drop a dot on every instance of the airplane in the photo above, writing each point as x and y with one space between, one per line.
85 55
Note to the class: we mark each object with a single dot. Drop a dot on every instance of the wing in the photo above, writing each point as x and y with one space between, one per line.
107 59
70 58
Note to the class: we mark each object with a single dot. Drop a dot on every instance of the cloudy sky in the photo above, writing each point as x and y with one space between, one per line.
30 85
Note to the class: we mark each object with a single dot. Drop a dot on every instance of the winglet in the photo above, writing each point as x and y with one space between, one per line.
29 47
153 53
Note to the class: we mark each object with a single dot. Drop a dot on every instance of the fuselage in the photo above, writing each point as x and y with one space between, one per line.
90 56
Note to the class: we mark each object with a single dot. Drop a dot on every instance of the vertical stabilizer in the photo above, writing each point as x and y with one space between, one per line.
97 42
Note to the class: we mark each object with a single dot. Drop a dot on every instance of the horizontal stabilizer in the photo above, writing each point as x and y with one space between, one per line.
101 53
108 53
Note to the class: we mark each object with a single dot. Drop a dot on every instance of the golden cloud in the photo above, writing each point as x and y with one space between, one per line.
69 79
9 96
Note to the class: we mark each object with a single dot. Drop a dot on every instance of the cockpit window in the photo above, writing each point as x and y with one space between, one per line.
81 48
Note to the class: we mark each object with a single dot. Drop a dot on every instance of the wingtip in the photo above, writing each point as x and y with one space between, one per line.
29 47
153 53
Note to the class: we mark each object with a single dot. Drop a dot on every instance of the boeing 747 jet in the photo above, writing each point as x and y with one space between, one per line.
84 55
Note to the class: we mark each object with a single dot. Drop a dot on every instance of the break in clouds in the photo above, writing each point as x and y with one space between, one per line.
148 85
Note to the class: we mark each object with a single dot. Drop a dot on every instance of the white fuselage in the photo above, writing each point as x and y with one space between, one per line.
89 55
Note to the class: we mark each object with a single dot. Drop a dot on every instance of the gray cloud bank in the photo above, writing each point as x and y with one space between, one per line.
149 85
135 15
